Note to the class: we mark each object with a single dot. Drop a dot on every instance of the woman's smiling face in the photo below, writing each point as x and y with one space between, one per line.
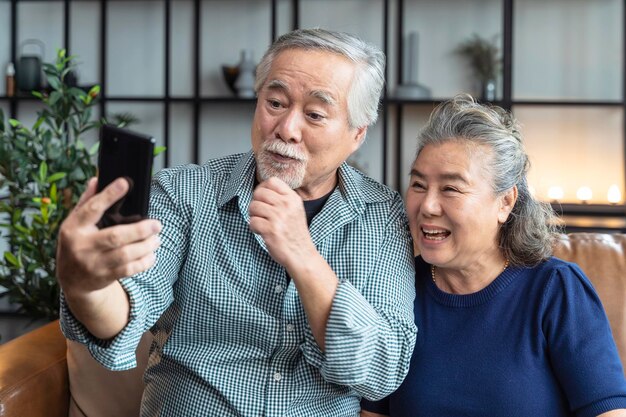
453 212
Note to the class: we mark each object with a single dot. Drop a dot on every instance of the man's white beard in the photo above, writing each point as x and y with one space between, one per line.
291 172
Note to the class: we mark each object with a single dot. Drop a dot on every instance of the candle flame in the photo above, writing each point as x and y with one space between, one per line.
614 195
584 194
555 193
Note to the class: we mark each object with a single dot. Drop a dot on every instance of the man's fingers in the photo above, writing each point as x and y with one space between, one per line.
266 195
260 226
132 268
124 234
92 209
277 185
260 208
89 192
129 254
274 191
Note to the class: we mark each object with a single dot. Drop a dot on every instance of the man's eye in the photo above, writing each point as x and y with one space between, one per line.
275 104
315 116
450 189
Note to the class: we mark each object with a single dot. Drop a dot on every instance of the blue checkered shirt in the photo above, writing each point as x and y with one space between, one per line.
231 335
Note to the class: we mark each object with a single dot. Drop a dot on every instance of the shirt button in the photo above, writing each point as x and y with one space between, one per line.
278 289
277 376
290 327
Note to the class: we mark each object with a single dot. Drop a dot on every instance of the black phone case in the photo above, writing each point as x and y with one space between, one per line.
124 153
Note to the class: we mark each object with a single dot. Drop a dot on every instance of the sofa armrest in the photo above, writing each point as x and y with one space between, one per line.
33 374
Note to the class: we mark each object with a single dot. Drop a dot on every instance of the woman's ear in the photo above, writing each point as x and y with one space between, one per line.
507 202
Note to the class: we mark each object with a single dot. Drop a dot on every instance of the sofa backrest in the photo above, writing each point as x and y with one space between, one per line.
602 257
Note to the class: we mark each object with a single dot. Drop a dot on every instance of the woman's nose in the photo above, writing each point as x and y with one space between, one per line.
431 205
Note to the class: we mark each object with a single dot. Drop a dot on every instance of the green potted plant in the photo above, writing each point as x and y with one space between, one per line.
43 172
483 56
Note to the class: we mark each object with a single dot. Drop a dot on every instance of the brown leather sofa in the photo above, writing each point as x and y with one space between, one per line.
42 376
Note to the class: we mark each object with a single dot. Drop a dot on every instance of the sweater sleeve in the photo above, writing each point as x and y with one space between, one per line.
581 347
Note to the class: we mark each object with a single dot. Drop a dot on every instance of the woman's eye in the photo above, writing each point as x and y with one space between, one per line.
418 186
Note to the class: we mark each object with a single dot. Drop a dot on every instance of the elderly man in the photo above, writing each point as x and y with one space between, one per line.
276 282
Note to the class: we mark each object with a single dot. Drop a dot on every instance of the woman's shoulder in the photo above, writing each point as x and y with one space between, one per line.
559 277
556 267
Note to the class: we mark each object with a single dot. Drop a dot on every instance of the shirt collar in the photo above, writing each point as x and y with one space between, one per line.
240 183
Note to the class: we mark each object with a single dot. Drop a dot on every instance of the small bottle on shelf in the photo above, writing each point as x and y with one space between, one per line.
10 80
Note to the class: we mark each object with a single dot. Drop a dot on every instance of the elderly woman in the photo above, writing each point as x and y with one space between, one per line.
504 328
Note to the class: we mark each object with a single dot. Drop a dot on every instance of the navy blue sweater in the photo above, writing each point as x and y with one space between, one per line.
535 342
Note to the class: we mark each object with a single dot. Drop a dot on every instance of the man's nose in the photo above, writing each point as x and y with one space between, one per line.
289 128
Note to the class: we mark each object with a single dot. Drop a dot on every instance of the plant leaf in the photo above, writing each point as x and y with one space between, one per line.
54 82
53 192
55 96
55 177
76 92
12 259
43 171
94 91
94 149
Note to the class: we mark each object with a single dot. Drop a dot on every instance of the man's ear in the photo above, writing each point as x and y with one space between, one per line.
507 201
359 138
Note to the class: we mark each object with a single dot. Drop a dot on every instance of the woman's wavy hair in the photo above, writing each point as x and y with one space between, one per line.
526 238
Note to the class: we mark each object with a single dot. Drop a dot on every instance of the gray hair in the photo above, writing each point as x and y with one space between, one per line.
526 238
369 78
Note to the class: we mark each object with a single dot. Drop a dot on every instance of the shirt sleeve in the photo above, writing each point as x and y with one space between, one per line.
150 293
581 346
371 331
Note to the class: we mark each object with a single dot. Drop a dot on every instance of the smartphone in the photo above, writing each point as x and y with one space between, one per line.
128 154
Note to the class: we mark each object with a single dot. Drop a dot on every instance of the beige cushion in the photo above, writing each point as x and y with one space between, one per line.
98 392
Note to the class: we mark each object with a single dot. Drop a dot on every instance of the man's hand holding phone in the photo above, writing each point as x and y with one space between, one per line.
91 259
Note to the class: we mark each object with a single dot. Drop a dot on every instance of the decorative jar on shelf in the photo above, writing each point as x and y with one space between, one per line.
245 80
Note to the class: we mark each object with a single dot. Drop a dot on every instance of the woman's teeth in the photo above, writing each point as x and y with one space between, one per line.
435 234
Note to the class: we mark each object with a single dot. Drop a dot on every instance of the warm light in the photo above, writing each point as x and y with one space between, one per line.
555 193
532 191
584 194
614 195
